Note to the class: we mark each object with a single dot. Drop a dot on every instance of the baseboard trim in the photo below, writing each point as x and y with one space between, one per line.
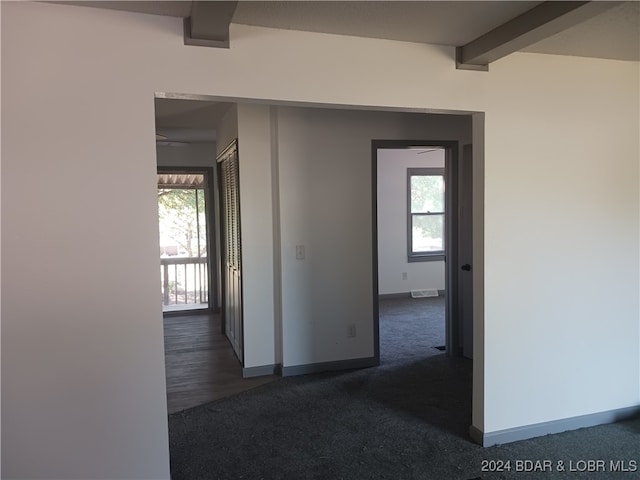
392 296
510 435
261 371
476 435
329 366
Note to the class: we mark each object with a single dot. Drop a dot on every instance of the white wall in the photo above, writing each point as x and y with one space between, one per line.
392 224
83 391
325 204
550 214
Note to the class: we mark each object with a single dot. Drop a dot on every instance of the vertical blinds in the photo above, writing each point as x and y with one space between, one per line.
231 207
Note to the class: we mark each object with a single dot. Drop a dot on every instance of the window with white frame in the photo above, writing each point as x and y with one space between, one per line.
426 207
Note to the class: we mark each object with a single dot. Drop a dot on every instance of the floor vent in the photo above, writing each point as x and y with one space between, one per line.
431 292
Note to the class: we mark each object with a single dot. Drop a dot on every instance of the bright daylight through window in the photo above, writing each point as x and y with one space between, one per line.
426 214
182 221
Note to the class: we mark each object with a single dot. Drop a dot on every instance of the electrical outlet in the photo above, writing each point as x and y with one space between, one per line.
351 330
405 276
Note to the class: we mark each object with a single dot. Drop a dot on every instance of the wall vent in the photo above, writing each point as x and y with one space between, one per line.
429 292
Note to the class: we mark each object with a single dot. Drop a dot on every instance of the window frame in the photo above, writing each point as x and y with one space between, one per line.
424 256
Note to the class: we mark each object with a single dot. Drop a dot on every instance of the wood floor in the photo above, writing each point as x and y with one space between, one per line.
200 363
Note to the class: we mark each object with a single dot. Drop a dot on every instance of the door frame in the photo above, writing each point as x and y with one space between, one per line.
210 208
453 327
465 248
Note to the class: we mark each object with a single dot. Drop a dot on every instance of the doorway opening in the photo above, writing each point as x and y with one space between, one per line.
183 205
411 251
285 121
201 364
421 206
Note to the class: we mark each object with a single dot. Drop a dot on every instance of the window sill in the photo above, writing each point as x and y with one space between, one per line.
426 258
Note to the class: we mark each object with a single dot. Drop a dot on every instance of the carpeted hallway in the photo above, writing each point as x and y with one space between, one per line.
406 419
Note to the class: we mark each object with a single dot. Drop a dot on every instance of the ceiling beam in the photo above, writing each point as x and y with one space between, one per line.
540 22
208 25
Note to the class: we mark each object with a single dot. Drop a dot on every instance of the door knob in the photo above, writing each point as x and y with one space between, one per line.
466 267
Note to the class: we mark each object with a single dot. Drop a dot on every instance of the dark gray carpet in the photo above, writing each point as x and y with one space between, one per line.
407 419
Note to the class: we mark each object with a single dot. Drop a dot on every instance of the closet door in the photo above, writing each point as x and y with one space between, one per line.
231 247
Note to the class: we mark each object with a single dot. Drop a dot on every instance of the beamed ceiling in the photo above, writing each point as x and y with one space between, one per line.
483 31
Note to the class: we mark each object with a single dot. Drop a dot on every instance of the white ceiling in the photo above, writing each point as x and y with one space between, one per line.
613 34
169 8
442 23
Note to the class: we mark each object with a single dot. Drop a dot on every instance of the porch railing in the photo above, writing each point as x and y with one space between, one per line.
185 281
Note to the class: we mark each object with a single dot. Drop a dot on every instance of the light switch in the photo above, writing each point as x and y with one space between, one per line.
299 252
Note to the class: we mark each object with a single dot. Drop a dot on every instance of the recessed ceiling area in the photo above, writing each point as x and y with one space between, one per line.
188 121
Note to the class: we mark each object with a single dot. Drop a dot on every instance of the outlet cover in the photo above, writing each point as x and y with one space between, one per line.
351 331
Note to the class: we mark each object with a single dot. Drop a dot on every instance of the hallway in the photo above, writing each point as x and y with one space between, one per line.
200 363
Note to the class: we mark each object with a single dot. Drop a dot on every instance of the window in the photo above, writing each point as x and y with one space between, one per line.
425 221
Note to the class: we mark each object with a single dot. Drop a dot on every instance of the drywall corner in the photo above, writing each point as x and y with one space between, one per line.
227 130
256 217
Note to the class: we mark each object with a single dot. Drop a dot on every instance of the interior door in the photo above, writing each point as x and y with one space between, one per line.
465 251
231 247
